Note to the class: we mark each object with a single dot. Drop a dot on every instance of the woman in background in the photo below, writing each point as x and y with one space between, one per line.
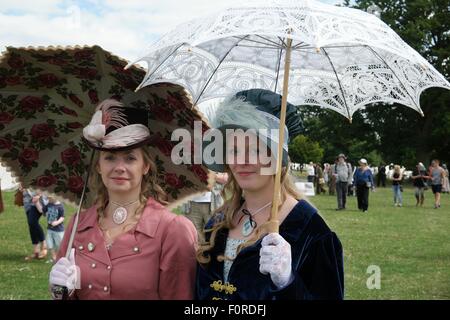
363 180
397 178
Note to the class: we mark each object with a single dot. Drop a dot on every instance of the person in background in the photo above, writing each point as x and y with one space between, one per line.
201 207
419 178
54 212
363 181
326 172
445 183
381 176
436 174
332 179
217 199
350 189
397 178
33 215
343 173
320 180
199 212
310 170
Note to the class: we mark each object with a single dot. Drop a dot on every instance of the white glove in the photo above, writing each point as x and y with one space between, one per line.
275 259
66 273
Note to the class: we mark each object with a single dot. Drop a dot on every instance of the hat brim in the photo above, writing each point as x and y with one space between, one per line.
117 149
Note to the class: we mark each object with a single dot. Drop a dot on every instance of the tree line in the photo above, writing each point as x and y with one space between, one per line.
390 133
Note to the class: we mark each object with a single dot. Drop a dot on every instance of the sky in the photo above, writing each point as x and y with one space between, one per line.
126 28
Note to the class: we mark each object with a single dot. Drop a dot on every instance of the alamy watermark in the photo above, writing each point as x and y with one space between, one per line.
374 280
228 146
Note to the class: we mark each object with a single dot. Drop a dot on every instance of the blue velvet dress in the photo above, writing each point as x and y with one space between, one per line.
317 263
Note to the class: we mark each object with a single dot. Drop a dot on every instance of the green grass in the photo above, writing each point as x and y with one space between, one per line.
410 245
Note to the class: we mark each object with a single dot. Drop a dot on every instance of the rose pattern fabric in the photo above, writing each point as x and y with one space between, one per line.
48 95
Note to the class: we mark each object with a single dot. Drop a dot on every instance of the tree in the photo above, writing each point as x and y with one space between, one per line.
336 135
395 133
404 135
303 150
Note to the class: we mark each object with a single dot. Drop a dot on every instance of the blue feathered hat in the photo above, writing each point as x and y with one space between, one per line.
255 109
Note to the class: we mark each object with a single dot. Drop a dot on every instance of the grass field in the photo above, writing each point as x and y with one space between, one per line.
410 245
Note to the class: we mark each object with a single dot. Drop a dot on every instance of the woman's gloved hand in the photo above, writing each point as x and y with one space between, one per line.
66 273
275 259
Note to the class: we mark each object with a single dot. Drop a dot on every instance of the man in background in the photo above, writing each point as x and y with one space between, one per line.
343 173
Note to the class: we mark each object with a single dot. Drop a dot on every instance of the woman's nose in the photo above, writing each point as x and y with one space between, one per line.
120 167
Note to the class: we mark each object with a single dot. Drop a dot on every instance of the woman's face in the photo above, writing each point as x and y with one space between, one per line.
122 171
246 167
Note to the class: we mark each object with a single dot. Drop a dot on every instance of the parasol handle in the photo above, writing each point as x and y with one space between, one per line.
77 216
61 292
273 225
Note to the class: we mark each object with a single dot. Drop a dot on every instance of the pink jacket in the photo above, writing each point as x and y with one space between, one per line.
155 260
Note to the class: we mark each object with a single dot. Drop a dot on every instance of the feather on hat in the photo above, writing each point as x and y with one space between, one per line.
256 109
114 127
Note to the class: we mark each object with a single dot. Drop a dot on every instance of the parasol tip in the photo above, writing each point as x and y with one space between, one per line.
128 66
139 86
350 120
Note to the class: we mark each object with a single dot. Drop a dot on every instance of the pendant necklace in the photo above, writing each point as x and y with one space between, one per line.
250 224
120 213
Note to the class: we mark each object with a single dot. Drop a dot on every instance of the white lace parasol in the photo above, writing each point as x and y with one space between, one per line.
342 58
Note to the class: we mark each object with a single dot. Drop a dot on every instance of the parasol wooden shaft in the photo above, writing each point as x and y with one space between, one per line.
273 221
77 216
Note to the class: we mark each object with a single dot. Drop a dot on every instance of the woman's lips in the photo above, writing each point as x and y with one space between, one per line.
245 174
119 180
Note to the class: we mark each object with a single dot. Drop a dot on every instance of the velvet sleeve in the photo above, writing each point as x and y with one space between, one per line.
320 276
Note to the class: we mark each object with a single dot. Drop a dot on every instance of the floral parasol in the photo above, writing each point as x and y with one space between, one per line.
47 96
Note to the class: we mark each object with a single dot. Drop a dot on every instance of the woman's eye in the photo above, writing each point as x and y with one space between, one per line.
109 158
131 158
